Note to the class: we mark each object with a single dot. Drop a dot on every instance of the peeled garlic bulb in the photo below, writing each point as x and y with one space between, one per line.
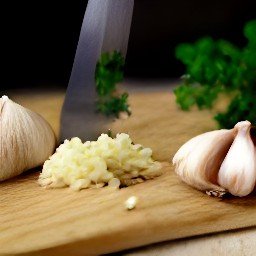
238 171
26 139
219 161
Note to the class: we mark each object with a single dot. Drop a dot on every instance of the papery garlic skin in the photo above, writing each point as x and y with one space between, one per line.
26 139
197 162
237 173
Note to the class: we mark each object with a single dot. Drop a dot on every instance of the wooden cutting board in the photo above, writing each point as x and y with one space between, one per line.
38 221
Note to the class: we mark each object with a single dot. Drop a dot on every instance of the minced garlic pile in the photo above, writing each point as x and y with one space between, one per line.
96 163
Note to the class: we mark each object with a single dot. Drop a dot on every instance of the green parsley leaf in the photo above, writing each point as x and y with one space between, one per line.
217 66
109 72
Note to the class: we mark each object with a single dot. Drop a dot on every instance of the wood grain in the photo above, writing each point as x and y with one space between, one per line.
38 221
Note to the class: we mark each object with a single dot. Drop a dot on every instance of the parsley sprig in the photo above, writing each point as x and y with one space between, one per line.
109 72
218 66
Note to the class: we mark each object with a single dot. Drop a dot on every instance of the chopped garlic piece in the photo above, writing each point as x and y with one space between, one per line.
131 202
114 183
96 163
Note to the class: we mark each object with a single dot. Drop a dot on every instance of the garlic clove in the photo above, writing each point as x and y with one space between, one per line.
26 139
237 173
197 162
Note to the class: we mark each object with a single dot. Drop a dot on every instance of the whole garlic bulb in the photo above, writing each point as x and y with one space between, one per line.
219 161
238 171
26 139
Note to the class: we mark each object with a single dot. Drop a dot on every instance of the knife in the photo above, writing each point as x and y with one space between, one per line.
105 28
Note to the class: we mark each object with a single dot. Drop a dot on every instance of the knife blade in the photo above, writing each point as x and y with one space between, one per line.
105 28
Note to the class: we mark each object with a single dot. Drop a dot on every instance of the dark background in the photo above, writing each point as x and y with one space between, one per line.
39 38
